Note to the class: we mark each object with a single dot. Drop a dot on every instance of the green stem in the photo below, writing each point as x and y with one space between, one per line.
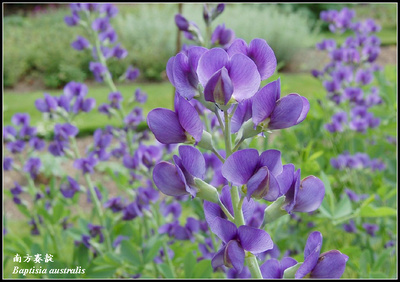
252 264
227 135
218 155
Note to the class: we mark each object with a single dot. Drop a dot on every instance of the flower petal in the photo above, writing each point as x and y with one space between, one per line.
263 102
218 259
234 255
193 161
330 264
167 180
189 118
240 166
272 160
224 229
165 126
287 112
285 179
245 77
263 55
310 194
254 240
219 88
210 62
270 269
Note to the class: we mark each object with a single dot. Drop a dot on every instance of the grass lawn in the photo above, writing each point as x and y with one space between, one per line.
159 95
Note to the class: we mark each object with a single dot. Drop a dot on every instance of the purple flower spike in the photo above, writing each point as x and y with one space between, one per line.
183 125
178 179
259 173
259 51
241 70
330 264
236 242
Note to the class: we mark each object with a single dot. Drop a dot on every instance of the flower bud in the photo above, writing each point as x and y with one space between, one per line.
275 210
206 191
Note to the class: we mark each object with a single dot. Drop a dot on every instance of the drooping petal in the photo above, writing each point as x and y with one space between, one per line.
311 254
211 211
285 179
167 180
291 193
194 55
304 112
189 118
245 77
165 126
272 160
193 160
263 56
314 241
224 229
237 46
254 240
210 62
330 264
310 194
258 184
218 259
240 166
287 112
270 269
185 80
242 114
264 102
219 88
234 255
226 198
170 70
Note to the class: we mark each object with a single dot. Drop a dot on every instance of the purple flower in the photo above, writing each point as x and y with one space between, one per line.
20 119
62 132
301 196
7 163
118 240
98 70
132 73
182 71
109 9
222 36
73 19
84 105
95 230
118 52
85 164
174 208
101 24
75 89
259 51
370 228
80 43
97 192
227 75
258 173
131 211
274 269
148 155
46 105
178 179
244 274
115 204
354 196
183 125
272 112
115 99
32 166
37 144
181 22
330 264
9 133
350 227
16 146
364 76
237 240
69 188
134 117
141 96
326 44
105 109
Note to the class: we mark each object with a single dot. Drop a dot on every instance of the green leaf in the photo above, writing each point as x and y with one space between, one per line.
189 264
131 253
203 269
152 248
381 259
343 208
316 155
165 270
369 211
325 209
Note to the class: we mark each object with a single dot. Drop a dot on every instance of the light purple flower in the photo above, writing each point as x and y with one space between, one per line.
370 228
132 73
222 36
115 204
86 165
274 269
80 43
7 163
98 70
115 99
32 166
69 188
101 24
141 96
46 105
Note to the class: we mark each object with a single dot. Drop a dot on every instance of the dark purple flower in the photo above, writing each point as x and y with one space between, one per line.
131 211
178 179
214 165
274 269
118 52
370 228
109 35
354 196
101 24
181 22
258 173
148 155
330 264
97 192
32 166
132 73
85 164
95 230
174 208
183 125
364 76
350 227
237 240
62 132
84 105
232 273
16 146
326 44
7 163
70 187
115 204
222 36
27 132
105 109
